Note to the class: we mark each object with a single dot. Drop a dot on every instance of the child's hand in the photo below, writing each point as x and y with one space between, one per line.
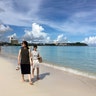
31 63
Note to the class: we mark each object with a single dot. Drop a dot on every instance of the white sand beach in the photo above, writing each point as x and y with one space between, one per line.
52 82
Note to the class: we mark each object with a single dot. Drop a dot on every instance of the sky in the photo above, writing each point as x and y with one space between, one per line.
48 21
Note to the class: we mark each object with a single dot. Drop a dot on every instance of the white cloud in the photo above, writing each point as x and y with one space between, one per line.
4 29
61 39
14 36
37 34
28 35
20 13
80 22
48 40
23 13
37 31
85 16
90 40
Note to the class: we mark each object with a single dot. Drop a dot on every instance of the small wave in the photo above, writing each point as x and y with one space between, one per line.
73 71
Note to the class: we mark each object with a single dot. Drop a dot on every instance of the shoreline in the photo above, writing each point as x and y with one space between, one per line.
52 82
64 69
71 71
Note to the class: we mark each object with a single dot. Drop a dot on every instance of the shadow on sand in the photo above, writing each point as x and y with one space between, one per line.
42 76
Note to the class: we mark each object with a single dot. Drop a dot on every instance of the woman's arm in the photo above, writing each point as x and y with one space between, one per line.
30 56
19 57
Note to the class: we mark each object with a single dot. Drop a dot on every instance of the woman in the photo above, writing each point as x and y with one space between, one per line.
24 61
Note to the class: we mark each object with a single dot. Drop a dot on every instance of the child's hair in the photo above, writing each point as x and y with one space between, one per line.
35 46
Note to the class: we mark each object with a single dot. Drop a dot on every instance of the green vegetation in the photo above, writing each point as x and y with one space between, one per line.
46 44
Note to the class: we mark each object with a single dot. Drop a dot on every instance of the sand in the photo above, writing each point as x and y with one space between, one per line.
52 82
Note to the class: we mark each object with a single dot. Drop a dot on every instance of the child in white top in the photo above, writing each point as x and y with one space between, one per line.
35 56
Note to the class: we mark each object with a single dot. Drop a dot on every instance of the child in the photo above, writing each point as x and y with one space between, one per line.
35 56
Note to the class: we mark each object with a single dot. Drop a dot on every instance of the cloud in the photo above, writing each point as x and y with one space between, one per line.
1 10
90 40
4 29
71 19
37 31
14 36
77 19
28 36
48 40
22 12
60 39
79 22
37 34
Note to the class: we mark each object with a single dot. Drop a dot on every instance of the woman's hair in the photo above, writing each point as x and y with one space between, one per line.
26 44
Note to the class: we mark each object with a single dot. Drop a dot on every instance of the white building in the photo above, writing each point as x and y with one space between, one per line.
13 41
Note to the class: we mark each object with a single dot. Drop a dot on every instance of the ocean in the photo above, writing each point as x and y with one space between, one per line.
80 60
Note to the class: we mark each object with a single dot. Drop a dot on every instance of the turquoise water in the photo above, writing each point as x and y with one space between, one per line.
81 59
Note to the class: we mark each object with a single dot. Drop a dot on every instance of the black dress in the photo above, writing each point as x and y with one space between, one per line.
25 61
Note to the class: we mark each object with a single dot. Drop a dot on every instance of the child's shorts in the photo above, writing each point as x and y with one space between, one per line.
35 64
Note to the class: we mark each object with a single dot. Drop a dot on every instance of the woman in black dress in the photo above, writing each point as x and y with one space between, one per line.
24 61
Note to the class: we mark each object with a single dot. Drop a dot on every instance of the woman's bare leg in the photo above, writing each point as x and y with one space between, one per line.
29 76
23 78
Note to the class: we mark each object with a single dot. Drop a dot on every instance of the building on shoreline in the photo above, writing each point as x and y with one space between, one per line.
13 41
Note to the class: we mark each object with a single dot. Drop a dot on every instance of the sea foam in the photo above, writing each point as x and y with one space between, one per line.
70 70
